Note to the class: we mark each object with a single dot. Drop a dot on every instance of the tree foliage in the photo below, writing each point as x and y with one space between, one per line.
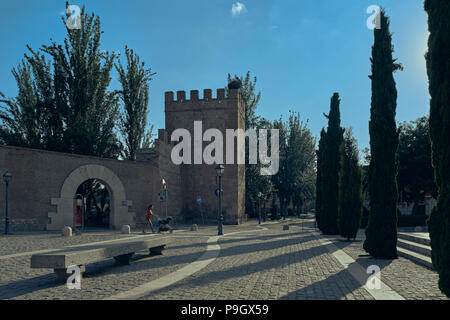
255 183
350 188
64 103
296 178
134 95
330 160
438 66
415 172
251 99
319 178
381 232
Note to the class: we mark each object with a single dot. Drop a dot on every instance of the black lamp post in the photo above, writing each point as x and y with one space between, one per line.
219 171
265 212
259 206
7 176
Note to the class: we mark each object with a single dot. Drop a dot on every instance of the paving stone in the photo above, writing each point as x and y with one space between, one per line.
271 264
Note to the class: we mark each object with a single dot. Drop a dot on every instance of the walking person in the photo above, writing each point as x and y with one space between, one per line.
148 219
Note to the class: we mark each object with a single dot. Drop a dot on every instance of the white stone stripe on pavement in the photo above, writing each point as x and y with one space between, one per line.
212 252
361 275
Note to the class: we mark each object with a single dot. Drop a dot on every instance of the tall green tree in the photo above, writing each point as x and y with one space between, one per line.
254 181
350 188
334 137
438 65
64 103
415 173
280 181
319 178
381 231
24 118
301 157
295 181
250 96
134 95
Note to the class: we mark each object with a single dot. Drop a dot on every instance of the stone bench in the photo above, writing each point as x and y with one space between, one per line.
121 251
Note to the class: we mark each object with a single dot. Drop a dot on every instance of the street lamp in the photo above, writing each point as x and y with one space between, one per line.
259 206
7 176
219 172
265 212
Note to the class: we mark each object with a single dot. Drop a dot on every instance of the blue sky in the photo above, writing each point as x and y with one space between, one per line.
300 50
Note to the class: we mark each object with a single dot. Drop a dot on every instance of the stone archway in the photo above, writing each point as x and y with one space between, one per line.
119 214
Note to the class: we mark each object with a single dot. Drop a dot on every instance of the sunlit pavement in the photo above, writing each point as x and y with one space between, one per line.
250 261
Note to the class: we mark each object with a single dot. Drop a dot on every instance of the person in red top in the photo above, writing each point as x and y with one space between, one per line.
148 218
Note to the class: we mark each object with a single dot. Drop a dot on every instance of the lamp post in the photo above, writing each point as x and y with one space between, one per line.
259 206
265 212
7 176
165 193
219 171
276 202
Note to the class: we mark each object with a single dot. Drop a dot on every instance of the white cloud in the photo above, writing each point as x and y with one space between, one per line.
238 8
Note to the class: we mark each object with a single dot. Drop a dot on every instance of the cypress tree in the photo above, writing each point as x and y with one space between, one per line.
381 232
438 65
334 137
319 179
350 192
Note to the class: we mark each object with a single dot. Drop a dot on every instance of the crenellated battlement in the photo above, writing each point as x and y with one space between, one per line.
194 95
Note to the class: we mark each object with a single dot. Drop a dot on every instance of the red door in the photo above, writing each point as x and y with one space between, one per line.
79 213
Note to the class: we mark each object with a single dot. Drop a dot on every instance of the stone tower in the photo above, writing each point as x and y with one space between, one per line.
199 180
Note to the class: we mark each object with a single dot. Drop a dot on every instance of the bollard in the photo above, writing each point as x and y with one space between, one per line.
194 227
126 229
66 231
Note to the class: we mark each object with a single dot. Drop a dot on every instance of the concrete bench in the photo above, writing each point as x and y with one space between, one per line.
121 251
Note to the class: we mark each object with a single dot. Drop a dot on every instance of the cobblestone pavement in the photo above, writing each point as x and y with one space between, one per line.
253 263
19 243
412 281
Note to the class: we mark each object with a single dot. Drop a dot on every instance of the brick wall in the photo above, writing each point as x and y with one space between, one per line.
200 179
39 175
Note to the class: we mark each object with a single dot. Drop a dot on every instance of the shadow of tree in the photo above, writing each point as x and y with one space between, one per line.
242 238
246 269
339 285
21 287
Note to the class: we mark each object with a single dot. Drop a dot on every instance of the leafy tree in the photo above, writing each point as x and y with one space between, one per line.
334 137
24 117
381 232
251 98
254 181
319 179
63 102
350 193
366 156
301 157
134 95
280 181
438 65
295 181
415 172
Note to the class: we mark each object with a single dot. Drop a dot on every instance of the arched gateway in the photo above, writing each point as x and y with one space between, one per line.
64 215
